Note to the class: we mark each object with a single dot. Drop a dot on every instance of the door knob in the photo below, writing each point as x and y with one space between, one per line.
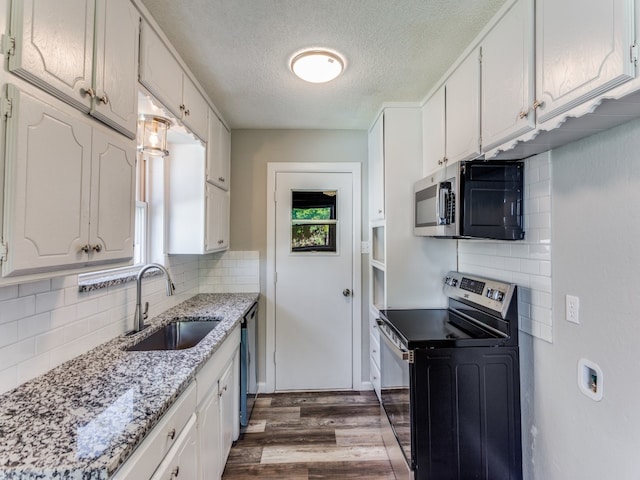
346 292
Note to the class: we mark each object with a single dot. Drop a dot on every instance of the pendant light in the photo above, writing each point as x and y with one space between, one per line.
152 134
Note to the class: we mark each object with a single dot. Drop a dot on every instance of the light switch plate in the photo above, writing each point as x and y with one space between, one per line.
365 247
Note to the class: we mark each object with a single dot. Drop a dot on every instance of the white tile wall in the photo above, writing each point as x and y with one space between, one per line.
45 323
230 272
528 262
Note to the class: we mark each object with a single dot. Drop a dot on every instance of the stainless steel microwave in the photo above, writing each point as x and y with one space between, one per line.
475 199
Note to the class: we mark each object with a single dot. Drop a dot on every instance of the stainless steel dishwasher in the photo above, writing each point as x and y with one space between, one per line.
248 364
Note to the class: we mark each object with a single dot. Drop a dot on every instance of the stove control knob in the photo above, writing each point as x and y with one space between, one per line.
498 295
490 292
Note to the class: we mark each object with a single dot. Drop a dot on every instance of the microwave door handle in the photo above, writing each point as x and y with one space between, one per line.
442 205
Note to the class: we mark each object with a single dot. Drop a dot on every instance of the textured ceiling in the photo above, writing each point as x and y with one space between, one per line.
396 50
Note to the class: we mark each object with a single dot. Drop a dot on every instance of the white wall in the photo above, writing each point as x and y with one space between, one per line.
596 227
45 323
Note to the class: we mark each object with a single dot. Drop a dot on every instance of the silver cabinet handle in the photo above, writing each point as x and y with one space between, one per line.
172 434
523 115
104 99
346 292
175 472
537 104
88 91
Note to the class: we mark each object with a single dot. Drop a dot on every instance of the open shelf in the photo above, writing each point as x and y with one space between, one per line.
377 244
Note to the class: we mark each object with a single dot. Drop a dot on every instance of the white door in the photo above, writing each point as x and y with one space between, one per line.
313 269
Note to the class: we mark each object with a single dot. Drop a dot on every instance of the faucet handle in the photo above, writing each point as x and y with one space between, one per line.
145 313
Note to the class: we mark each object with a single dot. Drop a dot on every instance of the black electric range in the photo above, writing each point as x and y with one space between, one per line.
450 384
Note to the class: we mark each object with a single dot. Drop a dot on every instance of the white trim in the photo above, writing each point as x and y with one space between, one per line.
296 167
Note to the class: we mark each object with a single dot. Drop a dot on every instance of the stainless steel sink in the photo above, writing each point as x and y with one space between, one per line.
177 335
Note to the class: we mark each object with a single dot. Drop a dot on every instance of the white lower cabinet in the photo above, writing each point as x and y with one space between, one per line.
182 459
208 413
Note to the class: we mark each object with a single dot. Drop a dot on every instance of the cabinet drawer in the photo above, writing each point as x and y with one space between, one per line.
375 378
163 436
374 347
182 459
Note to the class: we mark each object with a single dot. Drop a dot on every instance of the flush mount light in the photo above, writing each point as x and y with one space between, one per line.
317 66
152 134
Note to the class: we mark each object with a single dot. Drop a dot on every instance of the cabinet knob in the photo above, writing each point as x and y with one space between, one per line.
85 249
221 179
88 91
346 292
523 115
172 434
175 472
182 108
379 211
220 242
97 248
537 104
104 99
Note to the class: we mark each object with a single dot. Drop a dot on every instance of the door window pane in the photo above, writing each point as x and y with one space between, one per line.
313 221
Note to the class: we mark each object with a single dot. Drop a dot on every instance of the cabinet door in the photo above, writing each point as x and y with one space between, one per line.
210 464
508 77
433 124
160 72
218 153
376 170
182 459
195 110
582 51
54 47
217 219
47 178
463 110
113 175
227 413
116 65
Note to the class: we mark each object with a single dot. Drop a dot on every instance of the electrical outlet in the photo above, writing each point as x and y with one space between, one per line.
572 309
365 247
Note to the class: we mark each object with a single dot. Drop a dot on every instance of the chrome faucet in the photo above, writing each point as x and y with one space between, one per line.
141 316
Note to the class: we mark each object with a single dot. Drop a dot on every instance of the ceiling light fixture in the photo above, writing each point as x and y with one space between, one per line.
317 66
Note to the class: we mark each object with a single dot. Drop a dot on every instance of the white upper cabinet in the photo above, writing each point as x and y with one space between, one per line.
433 132
113 176
582 51
116 65
67 206
463 110
52 45
376 170
197 211
218 153
163 76
195 111
508 77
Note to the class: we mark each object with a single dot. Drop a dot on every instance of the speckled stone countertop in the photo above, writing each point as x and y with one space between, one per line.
83 419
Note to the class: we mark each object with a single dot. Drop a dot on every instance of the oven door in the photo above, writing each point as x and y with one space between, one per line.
395 394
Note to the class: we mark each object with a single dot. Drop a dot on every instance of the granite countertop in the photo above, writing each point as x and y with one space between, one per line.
83 419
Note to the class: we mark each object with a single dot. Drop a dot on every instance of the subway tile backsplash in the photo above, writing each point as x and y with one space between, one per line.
526 263
47 322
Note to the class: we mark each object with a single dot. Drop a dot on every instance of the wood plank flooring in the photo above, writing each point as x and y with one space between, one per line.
312 436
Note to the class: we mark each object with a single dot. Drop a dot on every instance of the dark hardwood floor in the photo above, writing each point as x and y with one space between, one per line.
311 436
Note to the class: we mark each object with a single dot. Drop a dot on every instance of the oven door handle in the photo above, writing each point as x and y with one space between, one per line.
401 353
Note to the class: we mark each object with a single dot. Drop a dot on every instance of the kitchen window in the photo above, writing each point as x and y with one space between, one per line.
313 221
